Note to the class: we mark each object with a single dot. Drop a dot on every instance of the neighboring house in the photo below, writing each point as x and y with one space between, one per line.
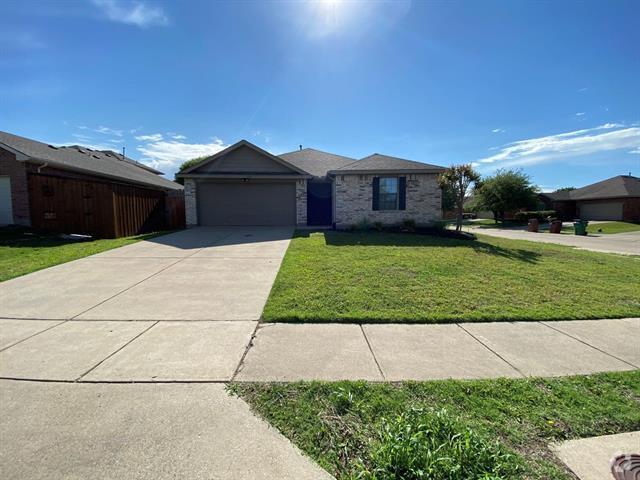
617 198
79 190
246 185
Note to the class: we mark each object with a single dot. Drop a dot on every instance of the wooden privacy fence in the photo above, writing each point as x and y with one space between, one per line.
175 213
137 210
100 209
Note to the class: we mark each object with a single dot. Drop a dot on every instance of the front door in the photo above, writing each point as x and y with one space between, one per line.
319 203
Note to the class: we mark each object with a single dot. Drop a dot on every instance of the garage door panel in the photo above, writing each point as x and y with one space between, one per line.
601 211
247 203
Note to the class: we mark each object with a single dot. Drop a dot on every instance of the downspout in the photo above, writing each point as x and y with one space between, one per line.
44 165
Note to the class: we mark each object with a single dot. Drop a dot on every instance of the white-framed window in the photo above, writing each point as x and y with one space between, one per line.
388 193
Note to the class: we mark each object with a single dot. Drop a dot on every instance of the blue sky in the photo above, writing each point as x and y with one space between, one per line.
549 87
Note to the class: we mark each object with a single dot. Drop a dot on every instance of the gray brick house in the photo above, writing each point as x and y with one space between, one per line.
246 185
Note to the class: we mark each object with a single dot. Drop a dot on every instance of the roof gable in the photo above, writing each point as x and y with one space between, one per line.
243 158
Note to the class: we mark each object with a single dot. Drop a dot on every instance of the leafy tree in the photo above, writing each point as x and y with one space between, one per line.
186 165
448 198
456 180
505 191
565 189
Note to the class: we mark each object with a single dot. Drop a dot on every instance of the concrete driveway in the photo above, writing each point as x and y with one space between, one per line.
197 274
169 425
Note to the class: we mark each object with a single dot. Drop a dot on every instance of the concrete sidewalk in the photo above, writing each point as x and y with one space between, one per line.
621 243
117 351
139 432
589 458
394 352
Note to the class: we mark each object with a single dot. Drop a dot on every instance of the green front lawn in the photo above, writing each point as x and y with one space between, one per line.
23 252
339 276
500 427
612 227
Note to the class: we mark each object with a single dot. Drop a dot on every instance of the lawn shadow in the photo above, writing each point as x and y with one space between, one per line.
382 239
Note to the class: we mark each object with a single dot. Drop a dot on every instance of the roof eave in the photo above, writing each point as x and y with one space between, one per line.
64 166
399 171
283 176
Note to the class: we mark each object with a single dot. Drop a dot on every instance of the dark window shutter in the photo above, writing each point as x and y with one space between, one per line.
376 193
402 193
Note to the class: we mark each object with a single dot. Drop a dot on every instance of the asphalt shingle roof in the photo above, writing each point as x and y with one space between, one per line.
94 162
316 162
381 163
614 187
620 186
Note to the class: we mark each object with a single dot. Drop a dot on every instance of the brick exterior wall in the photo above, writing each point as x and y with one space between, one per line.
354 195
301 202
631 210
190 203
17 173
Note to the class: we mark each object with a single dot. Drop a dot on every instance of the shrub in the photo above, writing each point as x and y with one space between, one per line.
433 445
409 225
360 226
378 226
539 214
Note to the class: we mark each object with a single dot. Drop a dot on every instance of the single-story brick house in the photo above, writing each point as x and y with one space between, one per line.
617 198
81 190
246 185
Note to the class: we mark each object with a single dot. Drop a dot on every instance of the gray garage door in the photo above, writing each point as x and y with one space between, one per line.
248 203
601 211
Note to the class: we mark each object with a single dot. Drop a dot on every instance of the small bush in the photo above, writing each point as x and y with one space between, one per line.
361 226
379 226
439 225
539 214
421 445
408 225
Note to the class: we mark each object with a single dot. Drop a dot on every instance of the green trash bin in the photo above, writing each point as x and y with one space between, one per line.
580 227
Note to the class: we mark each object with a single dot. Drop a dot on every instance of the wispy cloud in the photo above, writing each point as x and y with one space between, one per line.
178 137
579 114
603 138
132 13
169 154
155 137
635 151
498 130
19 40
583 89
103 130
108 131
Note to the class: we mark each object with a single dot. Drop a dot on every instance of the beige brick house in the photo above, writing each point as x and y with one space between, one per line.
246 185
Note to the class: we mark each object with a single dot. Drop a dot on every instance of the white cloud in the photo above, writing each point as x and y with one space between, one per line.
583 89
635 151
132 13
178 137
155 137
107 131
169 154
498 130
607 137
579 114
